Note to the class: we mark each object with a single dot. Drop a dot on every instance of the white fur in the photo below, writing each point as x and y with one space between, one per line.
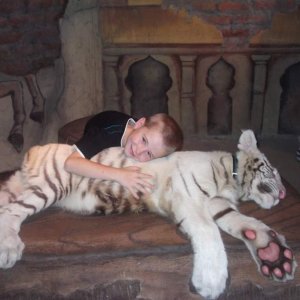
183 181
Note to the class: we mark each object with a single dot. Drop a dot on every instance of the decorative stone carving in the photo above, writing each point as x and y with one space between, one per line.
219 110
289 118
14 88
172 94
148 80
259 86
110 83
240 92
277 68
188 117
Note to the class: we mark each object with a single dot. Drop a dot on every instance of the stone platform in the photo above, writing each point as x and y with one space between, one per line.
126 257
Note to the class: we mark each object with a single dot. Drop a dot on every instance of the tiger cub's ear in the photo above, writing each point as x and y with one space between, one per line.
247 141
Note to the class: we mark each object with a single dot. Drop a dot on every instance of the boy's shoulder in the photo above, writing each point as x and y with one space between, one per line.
112 115
106 118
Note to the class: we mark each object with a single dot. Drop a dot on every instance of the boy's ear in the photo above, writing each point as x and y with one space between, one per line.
139 123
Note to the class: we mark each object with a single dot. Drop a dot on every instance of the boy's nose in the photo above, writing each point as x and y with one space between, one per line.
141 151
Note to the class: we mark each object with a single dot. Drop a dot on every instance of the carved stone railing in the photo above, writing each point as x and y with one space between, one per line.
246 86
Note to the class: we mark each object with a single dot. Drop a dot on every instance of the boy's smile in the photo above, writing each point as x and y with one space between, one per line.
143 143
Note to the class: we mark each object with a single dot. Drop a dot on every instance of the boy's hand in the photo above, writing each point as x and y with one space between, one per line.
135 181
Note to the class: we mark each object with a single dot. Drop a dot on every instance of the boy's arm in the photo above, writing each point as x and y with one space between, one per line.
129 177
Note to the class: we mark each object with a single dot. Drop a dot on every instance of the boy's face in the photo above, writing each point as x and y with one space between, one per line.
144 144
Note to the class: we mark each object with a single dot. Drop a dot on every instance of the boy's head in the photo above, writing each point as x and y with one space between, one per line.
153 137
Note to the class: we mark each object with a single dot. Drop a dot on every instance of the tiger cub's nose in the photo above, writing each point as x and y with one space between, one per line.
282 194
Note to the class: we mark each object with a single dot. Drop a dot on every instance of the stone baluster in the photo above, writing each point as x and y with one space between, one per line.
188 118
259 89
110 83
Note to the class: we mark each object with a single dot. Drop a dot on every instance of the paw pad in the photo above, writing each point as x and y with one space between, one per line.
276 260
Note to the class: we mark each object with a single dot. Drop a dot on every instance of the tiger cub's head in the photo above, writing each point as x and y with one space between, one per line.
260 181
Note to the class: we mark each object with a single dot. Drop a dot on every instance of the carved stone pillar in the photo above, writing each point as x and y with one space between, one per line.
259 89
110 82
274 92
188 119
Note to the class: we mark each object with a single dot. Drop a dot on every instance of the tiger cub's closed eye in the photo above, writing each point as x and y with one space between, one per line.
264 188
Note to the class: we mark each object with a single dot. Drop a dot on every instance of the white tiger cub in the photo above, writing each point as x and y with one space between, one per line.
197 190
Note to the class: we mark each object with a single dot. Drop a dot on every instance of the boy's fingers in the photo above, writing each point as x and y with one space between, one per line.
133 168
140 188
146 175
146 189
147 184
132 191
138 169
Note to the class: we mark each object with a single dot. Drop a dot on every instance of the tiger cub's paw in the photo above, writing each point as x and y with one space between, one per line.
275 259
11 248
209 283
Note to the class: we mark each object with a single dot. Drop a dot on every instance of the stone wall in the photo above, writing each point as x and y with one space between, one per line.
62 60
31 74
238 21
29 35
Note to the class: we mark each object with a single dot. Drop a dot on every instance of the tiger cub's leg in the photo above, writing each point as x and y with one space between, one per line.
11 246
209 261
268 248
11 218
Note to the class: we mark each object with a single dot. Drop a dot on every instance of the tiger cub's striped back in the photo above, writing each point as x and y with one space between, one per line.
43 176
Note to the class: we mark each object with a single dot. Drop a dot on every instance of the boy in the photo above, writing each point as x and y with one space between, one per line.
144 140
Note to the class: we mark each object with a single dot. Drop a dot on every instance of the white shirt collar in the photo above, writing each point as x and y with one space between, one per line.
130 122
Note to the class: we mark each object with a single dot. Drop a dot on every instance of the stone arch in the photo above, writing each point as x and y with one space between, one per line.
148 81
289 115
220 80
173 92
277 68
240 92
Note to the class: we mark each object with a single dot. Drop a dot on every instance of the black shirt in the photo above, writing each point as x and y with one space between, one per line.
102 131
